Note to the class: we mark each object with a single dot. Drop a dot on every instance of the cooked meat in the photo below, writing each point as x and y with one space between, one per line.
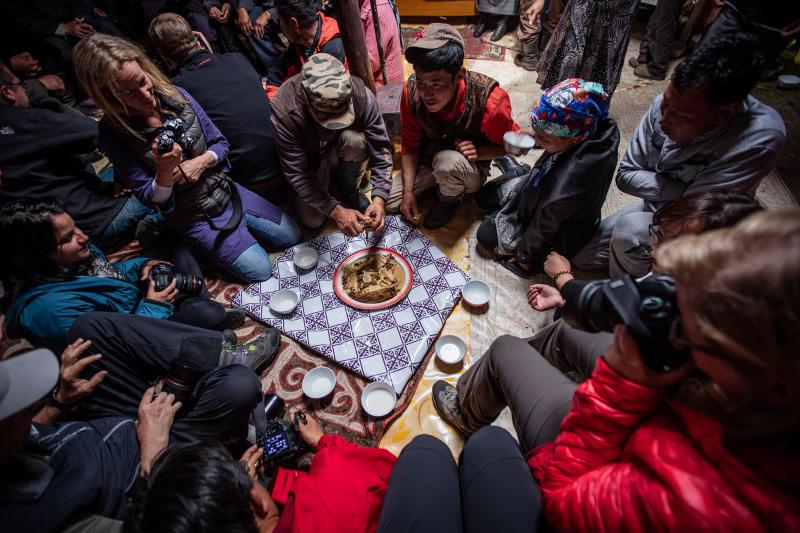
375 278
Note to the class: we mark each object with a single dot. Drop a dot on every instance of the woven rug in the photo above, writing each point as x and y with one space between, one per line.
474 47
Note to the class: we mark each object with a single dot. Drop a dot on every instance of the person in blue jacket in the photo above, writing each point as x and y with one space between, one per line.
52 275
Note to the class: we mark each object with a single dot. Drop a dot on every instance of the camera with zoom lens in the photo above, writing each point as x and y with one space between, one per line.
279 438
181 380
648 308
162 275
172 131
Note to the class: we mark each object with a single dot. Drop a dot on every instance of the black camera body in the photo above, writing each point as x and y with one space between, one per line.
162 275
182 379
278 437
648 308
172 131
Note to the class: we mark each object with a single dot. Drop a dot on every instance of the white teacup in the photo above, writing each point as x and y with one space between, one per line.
518 143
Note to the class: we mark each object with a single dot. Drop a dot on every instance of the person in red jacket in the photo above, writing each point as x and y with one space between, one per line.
309 32
708 446
200 488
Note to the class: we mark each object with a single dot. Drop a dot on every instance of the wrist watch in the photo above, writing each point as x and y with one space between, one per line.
61 406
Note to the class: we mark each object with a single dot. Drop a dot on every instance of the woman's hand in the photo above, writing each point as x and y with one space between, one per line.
167 164
543 297
626 359
251 460
149 266
192 169
72 387
168 295
152 427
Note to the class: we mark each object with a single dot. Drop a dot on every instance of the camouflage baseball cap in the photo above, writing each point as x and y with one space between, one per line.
434 36
329 91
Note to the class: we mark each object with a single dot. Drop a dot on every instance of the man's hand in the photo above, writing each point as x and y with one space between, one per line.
168 295
78 29
149 266
791 29
260 24
467 149
251 459
152 427
348 220
97 12
25 64
121 190
556 263
625 358
543 297
215 13
531 15
377 213
51 82
72 387
409 208
244 23
193 168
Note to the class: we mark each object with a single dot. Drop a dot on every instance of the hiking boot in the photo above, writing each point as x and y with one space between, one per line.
255 355
634 62
229 337
234 318
442 211
643 71
529 57
445 400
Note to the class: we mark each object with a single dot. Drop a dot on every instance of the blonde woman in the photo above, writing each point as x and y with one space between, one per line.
709 446
187 180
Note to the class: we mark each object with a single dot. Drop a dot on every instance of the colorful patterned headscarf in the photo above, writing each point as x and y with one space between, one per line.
571 108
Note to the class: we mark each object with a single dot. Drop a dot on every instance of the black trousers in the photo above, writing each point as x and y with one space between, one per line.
170 247
137 350
491 489
662 27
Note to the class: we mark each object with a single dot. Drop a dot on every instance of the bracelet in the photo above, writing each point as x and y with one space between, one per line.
61 406
559 274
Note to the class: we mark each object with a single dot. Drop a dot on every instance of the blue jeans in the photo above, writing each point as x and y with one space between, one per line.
253 265
264 49
121 228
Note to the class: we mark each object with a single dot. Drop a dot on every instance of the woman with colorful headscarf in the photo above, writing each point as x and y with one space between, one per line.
556 205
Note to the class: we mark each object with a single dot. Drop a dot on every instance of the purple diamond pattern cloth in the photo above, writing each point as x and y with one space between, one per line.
385 345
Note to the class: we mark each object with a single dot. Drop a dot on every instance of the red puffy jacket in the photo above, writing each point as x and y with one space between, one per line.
341 493
625 460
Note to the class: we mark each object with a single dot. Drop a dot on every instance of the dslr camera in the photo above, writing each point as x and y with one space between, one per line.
162 275
172 131
648 308
278 437
182 379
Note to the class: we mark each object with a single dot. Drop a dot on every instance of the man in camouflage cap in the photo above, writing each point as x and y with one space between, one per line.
330 132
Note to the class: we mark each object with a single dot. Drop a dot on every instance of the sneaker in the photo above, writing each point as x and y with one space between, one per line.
445 400
255 355
234 318
643 71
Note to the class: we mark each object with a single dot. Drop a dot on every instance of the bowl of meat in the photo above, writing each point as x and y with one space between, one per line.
373 278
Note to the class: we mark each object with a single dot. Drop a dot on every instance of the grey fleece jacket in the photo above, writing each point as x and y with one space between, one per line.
733 157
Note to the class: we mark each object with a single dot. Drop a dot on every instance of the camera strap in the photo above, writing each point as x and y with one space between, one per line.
260 418
236 215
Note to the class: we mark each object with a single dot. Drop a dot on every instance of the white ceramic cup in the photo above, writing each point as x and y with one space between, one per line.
284 301
378 399
517 143
305 258
450 349
319 382
476 292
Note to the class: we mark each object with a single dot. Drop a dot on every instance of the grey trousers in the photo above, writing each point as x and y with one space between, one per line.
621 244
656 47
344 159
529 376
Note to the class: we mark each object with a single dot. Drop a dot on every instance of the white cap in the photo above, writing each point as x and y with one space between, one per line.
25 379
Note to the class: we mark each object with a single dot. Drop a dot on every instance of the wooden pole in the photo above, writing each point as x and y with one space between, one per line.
348 15
376 25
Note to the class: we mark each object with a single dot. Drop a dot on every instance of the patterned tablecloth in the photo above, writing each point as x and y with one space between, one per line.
386 345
